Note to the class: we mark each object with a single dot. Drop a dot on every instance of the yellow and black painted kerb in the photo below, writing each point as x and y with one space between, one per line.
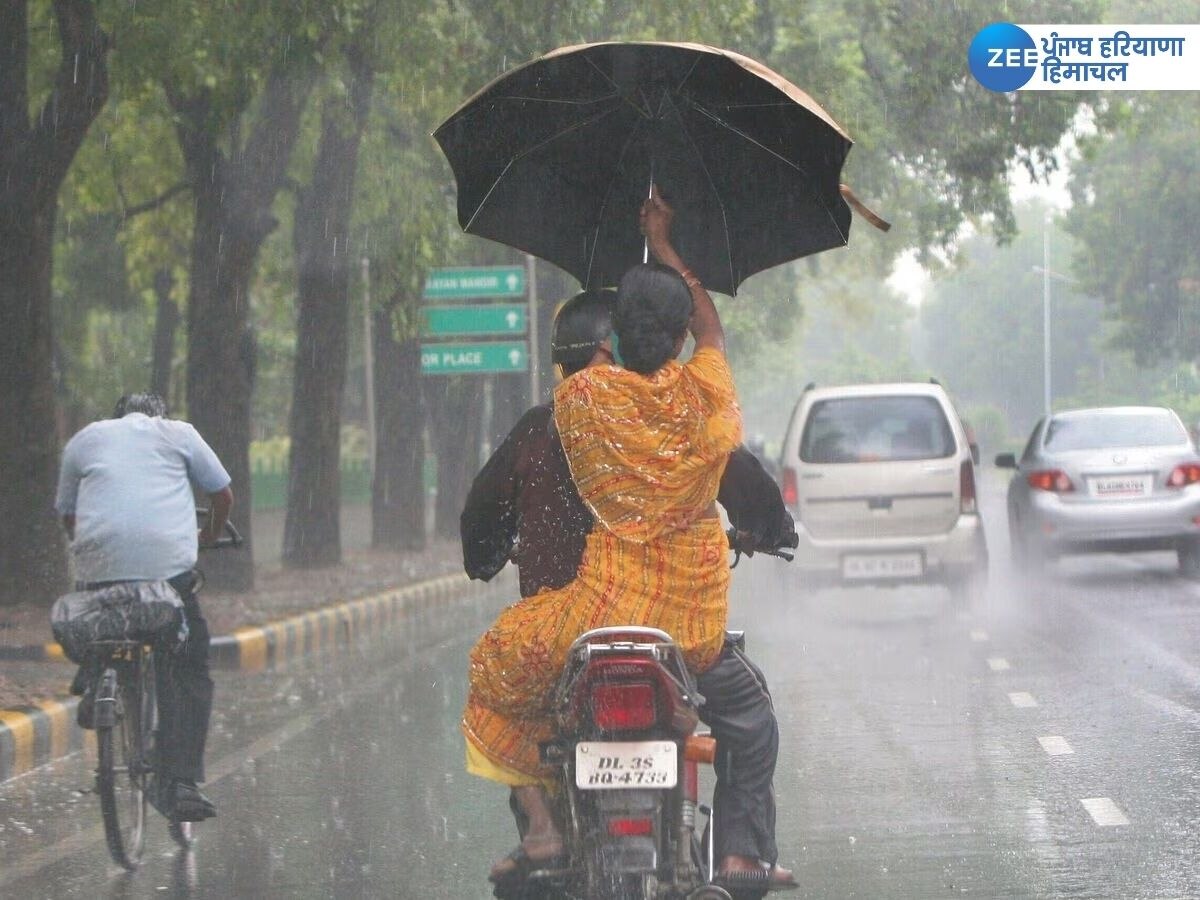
33 735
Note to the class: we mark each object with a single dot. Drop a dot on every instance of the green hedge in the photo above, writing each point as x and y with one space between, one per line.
269 482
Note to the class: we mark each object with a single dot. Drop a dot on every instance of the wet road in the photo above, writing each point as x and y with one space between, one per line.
1043 743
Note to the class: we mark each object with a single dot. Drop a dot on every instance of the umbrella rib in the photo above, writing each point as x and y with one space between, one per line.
553 101
604 203
720 201
687 77
714 117
643 112
573 127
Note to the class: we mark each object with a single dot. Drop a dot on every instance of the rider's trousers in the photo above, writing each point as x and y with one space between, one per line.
185 693
738 709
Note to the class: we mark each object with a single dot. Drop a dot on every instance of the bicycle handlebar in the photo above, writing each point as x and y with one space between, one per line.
232 538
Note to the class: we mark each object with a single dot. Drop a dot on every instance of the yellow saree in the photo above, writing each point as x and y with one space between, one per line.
647 454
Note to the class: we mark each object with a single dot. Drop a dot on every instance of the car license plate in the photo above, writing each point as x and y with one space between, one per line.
883 565
1119 487
608 765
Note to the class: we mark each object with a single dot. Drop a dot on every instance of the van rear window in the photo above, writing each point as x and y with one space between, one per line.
876 429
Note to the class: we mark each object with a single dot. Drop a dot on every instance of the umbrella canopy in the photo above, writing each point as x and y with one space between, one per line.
556 156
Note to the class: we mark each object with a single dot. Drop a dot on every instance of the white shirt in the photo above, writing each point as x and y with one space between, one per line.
128 483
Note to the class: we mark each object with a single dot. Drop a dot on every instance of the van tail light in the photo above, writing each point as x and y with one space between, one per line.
791 488
624 707
1183 475
968 500
1053 480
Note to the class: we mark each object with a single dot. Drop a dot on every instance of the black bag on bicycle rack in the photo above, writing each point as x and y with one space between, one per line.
149 611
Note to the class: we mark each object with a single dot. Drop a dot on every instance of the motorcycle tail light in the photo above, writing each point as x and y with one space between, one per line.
630 827
1053 480
791 489
968 502
624 707
1183 475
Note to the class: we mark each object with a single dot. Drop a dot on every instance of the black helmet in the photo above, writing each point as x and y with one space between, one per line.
579 327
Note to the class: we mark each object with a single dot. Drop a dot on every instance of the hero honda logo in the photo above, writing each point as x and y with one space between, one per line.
1002 57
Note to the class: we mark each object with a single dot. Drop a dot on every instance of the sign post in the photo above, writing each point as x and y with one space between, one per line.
495 318
473 282
484 358
534 365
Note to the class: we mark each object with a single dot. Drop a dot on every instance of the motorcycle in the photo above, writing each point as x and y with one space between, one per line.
628 757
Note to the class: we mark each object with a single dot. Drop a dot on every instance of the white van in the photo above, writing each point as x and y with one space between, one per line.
881 481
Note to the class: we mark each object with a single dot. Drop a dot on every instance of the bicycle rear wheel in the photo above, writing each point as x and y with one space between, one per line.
125 750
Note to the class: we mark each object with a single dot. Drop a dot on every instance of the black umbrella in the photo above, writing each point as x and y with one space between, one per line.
556 156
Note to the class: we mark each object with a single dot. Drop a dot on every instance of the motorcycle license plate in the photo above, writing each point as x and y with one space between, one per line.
609 765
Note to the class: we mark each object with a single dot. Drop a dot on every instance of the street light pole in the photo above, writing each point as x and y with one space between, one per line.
1046 314
368 365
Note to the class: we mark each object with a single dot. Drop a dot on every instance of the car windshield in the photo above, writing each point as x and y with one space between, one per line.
876 429
1099 431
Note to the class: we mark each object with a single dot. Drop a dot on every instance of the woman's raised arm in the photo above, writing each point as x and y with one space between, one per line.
656 217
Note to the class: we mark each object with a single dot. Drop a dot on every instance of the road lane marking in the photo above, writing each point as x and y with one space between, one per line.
979 636
1055 745
1160 654
1104 812
998 664
1022 700
1167 707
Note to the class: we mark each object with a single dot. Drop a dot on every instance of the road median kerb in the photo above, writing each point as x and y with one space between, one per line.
45 730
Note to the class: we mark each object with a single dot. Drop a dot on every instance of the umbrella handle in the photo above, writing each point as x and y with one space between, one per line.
649 194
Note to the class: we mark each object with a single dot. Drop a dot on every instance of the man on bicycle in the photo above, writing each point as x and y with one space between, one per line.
126 501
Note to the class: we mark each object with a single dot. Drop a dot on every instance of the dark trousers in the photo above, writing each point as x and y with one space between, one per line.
737 708
185 693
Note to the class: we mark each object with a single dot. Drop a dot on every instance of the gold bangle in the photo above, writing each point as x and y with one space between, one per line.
689 278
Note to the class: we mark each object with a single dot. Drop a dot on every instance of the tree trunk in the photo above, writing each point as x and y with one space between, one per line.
166 321
457 429
398 491
233 198
34 159
311 535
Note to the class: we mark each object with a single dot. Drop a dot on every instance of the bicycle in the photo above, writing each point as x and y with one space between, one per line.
125 717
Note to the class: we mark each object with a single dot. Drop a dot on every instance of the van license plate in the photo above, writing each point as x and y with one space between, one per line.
609 765
882 565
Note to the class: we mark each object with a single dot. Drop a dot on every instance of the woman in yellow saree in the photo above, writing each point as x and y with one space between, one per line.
646 443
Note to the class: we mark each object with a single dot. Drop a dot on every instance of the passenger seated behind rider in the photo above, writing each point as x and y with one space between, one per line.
643 525
125 497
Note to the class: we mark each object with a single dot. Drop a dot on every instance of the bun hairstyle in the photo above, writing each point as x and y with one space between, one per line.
654 308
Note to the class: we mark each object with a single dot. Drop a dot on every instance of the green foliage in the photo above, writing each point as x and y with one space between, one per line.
933 151
1136 199
981 328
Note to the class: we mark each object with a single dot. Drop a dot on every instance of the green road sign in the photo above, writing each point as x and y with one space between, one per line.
474 359
496 319
481 281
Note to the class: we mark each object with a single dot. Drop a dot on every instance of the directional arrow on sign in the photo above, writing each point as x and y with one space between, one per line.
512 281
512 319
514 357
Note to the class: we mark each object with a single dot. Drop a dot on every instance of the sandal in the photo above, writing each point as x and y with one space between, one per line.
524 864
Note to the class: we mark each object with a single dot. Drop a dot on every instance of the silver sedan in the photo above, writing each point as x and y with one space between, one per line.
1111 479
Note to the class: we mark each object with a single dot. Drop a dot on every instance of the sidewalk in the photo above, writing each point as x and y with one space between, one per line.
290 613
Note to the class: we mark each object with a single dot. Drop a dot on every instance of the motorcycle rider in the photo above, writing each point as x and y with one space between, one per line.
525 506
